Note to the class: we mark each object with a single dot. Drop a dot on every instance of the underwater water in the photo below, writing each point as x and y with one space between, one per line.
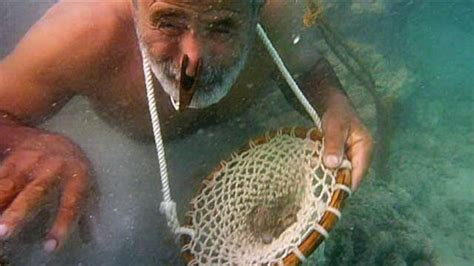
435 128
422 214
418 211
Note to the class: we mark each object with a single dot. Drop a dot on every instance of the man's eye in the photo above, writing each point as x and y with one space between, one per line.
166 25
170 28
221 27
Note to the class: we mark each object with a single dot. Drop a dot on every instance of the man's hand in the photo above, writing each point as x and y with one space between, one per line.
36 164
344 132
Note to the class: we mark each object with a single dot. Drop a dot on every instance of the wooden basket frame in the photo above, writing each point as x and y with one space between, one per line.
328 220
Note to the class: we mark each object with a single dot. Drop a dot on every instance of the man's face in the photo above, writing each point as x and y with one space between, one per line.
217 32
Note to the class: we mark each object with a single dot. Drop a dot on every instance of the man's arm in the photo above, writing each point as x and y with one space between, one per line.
343 130
58 58
345 133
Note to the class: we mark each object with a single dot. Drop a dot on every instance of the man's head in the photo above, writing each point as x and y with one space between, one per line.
218 33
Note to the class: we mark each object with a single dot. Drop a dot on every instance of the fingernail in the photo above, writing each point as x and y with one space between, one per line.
50 245
3 230
331 161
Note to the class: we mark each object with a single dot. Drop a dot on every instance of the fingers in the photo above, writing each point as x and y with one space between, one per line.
346 133
335 135
14 173
360 155
46 174
74 191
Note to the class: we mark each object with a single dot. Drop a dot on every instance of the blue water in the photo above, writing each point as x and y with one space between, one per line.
435 127
422 215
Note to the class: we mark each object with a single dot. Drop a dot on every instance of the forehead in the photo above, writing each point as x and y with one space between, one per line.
235 6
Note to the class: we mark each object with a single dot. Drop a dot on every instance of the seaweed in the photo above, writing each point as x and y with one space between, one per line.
389 232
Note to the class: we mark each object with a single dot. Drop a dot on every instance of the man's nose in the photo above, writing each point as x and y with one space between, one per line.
191 47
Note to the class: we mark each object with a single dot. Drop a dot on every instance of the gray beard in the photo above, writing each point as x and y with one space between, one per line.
205 97
214 83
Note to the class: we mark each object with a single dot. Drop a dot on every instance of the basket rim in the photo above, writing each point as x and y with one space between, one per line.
328 220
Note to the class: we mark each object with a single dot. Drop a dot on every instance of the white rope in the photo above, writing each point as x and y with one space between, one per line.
342 187
296 90
167 206
286 74
317 227
299 254
334 211
155 121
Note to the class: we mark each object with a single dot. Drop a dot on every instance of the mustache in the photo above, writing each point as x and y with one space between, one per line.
210 75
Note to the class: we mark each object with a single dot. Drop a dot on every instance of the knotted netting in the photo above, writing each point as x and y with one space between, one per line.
282 172
272 203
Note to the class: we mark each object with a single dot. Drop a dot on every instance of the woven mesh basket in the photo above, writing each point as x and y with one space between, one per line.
282 164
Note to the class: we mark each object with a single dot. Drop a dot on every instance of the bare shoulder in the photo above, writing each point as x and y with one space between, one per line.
100 19
62 55
68 42
94 9
73 26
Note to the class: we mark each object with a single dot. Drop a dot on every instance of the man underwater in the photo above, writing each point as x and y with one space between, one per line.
92 49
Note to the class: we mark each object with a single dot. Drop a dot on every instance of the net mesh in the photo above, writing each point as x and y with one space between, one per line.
260 205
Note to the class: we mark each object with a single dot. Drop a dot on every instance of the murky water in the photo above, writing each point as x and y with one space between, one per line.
418 211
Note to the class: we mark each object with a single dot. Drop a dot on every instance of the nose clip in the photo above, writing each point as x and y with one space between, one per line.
187 84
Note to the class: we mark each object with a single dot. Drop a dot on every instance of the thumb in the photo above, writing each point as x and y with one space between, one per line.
335 134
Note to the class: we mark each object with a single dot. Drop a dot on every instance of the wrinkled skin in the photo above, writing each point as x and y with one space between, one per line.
91 49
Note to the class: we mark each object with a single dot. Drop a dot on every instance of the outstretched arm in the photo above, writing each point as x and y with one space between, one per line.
58 58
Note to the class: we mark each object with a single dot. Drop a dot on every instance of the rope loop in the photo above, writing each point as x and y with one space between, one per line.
168 209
